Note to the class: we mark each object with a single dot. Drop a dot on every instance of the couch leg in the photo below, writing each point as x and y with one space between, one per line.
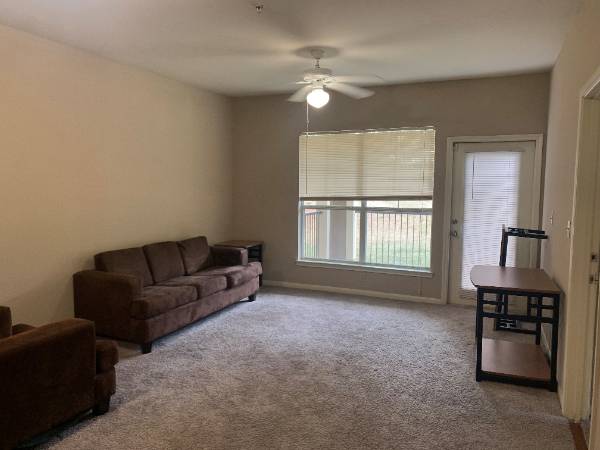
146 347
102 407
252 297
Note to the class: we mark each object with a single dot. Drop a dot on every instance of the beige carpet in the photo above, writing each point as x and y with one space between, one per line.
305 370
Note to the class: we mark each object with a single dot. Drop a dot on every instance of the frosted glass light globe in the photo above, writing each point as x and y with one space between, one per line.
317 98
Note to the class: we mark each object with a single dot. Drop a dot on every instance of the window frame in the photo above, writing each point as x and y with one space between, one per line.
361 264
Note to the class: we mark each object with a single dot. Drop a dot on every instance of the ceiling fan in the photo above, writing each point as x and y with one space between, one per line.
320 79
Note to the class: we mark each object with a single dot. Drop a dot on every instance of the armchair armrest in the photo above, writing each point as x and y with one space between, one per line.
107 355
46 377
229 256
105 298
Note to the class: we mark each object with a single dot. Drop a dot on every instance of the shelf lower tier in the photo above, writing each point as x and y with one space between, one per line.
514 359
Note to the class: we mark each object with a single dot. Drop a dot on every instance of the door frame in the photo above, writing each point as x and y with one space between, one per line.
580 337
450 148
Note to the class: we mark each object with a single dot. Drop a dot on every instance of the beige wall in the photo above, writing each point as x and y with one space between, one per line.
94 156
577 62
266 130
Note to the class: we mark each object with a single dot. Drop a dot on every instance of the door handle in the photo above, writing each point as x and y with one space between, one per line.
454 234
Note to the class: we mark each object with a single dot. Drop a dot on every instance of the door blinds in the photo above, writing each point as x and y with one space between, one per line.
367 164
491 199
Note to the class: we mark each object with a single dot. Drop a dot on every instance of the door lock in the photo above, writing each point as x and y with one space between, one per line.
454 234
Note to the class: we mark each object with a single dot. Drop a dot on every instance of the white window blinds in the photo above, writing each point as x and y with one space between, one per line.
363 164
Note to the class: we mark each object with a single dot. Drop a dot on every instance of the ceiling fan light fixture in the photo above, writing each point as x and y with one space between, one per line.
318 97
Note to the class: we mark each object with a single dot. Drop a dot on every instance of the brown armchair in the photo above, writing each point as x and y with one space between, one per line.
51 374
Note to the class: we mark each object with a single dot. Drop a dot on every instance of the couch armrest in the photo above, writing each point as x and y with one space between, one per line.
229 256
46 377
105 298
21 328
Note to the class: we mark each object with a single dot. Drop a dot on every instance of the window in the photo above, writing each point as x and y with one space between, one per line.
365 197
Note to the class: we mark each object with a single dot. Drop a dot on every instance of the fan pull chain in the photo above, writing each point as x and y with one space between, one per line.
306 151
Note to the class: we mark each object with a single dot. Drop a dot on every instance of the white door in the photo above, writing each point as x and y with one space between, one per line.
493 186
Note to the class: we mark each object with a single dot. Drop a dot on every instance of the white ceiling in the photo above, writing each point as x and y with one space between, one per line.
225 46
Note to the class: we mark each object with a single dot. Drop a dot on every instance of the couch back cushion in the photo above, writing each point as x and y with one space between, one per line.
196 254
5 322
130 261
165 261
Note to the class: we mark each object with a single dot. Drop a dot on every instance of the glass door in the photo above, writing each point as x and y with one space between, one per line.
492 187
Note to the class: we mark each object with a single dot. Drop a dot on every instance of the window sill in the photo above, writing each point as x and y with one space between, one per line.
364 268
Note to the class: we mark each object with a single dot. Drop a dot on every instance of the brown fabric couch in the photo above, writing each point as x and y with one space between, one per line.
51 374
141 294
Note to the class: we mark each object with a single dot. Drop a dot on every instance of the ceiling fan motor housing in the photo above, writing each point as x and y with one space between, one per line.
317 74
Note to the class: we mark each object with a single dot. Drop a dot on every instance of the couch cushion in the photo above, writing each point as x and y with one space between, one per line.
164 260
196 254
205 286
236 275
129 261
156 300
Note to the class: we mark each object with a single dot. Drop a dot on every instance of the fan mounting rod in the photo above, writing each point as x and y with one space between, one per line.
318 54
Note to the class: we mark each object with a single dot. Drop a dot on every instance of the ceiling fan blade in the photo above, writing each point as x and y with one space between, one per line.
303 82
300 94
357 79
349 90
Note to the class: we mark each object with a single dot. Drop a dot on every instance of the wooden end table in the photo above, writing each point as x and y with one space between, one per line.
511 362
255 250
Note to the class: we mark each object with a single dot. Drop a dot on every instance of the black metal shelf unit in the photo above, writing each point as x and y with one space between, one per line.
502 300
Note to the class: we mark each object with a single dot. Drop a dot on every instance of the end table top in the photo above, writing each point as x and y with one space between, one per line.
515 279
239 243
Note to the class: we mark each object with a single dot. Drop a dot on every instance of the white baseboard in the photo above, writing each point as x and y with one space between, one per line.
462 302
362 292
